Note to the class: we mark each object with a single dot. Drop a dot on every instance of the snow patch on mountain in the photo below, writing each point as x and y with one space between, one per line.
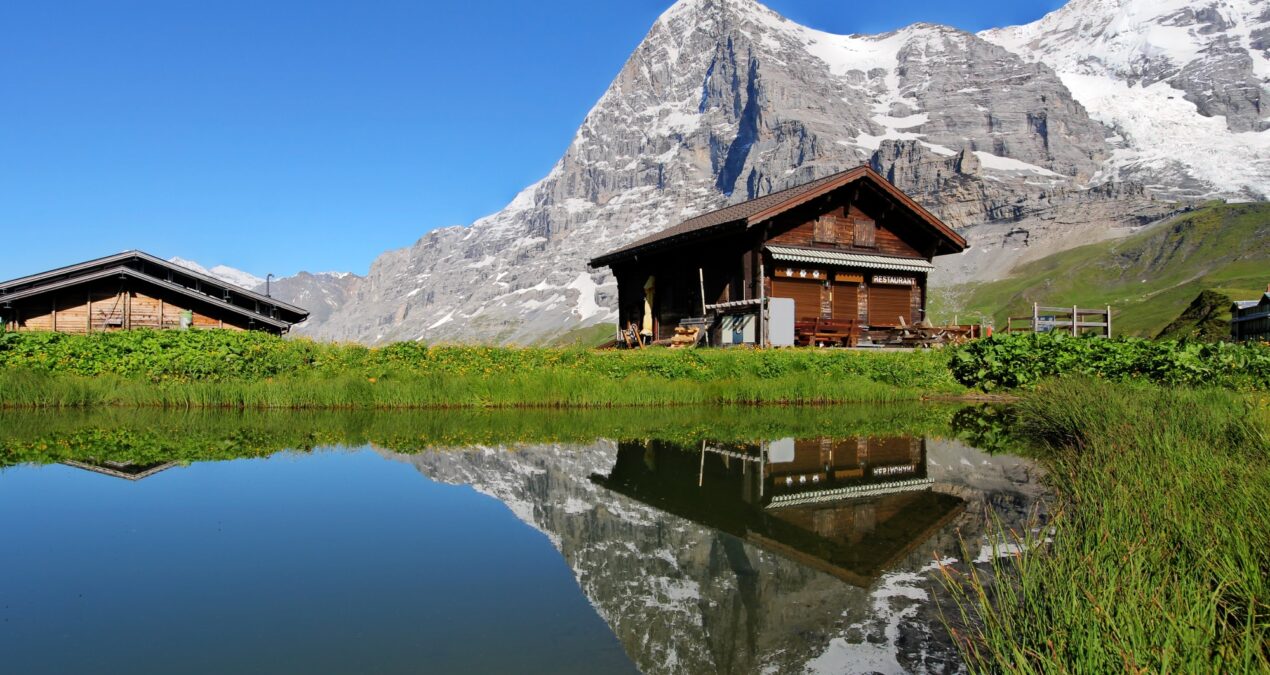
1184 84
225 273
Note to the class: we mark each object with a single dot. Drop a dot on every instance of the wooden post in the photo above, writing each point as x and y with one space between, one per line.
127 310
701 279
1036 315
89 327
763 328
1075 321
1108 321
161 309
54 315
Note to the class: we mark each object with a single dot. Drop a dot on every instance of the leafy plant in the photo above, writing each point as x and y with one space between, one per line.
1024 359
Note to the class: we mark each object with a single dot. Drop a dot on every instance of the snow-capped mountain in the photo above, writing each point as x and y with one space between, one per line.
321 293
1184 84
725 100
225 273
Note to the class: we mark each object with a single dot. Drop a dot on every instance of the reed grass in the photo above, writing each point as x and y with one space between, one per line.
1158 557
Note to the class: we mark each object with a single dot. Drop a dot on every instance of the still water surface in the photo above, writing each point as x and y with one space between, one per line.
215 551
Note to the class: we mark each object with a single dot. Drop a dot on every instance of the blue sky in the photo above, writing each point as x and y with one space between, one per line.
288 135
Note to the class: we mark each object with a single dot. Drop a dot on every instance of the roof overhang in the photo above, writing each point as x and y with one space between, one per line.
123 271
948 241
842 259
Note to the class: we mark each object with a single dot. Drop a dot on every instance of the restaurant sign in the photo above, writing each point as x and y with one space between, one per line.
893 281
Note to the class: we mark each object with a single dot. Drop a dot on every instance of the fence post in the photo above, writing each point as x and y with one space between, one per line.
1108 322
1075 320
1036 315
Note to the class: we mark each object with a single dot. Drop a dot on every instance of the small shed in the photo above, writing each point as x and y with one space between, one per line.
850 250
134 289
1250 319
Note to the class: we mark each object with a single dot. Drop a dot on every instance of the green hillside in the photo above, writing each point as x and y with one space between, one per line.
1148 278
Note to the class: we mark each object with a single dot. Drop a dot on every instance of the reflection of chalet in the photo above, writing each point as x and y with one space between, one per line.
851 250
136 290
850 507
124 470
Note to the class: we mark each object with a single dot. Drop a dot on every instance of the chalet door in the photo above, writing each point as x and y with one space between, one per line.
846 300
806 294
888 303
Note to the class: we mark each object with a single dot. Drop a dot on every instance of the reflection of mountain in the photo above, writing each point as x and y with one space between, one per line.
684 597
847 507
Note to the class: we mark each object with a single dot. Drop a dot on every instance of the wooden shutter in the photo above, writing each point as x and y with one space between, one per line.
846 300
888 303
865 233
804 292
825 230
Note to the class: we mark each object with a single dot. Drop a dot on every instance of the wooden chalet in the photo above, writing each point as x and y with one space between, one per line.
850 250
1250 319
137 290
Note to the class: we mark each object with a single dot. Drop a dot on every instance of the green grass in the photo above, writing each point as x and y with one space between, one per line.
1149 278
198 369
589 336
1160 550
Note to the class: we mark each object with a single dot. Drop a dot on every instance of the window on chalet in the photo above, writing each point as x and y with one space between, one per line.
826 231
865 233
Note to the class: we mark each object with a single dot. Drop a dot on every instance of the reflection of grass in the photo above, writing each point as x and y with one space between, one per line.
1161 550
144 436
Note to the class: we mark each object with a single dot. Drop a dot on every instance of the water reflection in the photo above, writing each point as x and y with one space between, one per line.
124 470
712 541
696 572
850 507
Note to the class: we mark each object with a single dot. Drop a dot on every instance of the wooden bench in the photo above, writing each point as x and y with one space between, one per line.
825 332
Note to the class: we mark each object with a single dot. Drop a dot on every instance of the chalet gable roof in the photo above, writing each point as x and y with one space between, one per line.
1250 304
757 210
143 266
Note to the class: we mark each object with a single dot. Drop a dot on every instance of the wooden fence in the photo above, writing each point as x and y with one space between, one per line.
1073 320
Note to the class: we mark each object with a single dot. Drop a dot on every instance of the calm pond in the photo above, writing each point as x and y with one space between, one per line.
682 540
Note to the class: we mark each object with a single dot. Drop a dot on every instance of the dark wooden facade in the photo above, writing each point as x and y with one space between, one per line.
1250 320
849 246
135 290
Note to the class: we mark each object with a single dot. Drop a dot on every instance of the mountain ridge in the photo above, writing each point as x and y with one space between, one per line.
725 100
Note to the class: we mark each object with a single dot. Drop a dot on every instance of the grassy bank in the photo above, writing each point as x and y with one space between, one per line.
1159 557
248 370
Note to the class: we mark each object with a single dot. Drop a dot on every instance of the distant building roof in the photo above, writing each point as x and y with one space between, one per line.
156 271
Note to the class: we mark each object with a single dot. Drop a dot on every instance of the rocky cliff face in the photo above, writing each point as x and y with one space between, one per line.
725 100
683 598
1183 84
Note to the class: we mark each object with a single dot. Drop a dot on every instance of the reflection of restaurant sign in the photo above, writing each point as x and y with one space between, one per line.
893 281
892 470
802 274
